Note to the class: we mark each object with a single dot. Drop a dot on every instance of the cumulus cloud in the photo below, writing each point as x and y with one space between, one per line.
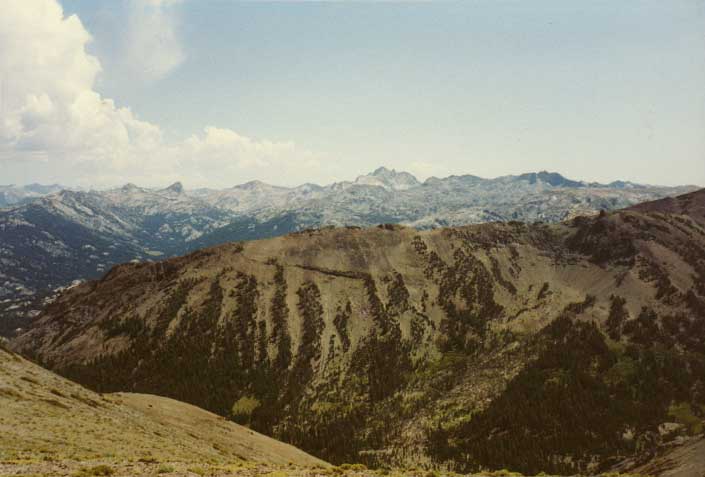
48 101
152 47
55 126
219 153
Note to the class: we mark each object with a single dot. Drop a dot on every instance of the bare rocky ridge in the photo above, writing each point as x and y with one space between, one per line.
561 348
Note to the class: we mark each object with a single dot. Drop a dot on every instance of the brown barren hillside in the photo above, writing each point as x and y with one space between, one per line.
560 348
691 205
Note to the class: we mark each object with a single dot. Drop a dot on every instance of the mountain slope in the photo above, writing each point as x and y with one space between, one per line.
11 195
43 415
691 205
468 347
57 238
52 241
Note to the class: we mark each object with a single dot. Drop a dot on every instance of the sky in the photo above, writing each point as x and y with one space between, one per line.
216 93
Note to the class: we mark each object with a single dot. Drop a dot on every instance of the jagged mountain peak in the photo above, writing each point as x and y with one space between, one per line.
308 187
390 179
619 184
383 171
176 187
254 185
43 189
554 179
65 194
129 187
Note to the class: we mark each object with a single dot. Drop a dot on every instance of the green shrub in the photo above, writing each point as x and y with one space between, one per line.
98 470
355 467
244 407
683 414
505 473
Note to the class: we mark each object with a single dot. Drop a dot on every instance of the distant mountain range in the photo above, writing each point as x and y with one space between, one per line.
11 195
51 236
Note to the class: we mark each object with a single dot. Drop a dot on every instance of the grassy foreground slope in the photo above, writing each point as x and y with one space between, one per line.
46 418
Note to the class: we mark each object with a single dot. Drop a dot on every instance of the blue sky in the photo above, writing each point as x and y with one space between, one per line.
595 90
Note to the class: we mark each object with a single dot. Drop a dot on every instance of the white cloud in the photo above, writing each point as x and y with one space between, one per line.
152 47
221 157
55 127
48 102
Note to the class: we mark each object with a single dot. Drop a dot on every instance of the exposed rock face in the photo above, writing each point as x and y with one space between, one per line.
559 348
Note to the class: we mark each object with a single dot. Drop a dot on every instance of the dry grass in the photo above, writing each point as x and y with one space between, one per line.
50 418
